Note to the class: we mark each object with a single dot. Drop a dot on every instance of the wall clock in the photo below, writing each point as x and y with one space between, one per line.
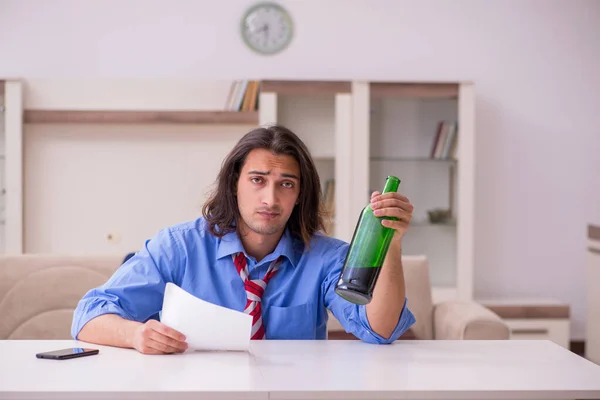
267 28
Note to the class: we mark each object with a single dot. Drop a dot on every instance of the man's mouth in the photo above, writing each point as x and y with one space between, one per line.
268 215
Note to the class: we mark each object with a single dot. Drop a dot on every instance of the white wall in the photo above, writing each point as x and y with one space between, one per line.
105 189
535 65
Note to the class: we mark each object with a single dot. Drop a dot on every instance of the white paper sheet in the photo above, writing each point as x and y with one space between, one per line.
206 326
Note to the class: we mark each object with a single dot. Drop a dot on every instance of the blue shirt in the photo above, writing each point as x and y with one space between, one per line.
294 303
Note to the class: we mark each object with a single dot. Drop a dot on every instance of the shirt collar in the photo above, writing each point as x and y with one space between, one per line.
287 247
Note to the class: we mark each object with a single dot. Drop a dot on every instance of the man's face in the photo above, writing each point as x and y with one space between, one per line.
267 191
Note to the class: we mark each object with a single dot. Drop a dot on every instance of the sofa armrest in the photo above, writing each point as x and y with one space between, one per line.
467 320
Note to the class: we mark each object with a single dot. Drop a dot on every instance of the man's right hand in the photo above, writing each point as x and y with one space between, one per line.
154 337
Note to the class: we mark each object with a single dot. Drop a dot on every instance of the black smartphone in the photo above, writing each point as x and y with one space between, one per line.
65 354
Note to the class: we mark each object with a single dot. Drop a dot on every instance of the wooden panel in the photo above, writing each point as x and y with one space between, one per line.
342 218
13 166
594 232
139 117
305 87
530 311
465 175
428 90
267 113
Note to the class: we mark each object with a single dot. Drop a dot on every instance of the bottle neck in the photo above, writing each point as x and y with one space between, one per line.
391 184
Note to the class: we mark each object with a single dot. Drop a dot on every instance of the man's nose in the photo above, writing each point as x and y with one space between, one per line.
270 195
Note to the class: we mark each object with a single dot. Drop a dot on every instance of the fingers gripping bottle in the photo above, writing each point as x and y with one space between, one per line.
368 248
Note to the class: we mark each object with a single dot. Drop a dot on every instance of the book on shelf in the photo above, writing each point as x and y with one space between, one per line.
446 138
243 96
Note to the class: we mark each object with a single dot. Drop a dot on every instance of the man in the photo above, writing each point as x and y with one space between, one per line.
258 248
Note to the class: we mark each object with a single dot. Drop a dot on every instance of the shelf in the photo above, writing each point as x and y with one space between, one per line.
138 117
378 89
527 308
413 159
306 87
421 90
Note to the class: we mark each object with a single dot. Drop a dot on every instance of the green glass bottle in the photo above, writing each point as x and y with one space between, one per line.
368 248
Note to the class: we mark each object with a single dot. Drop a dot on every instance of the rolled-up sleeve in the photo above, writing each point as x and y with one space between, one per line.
353 317
135 291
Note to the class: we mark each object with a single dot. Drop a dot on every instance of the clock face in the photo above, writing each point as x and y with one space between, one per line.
267 28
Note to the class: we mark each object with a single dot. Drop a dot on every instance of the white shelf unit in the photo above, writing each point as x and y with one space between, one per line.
592 344
533 318
11 154
357 132
360 132
400 126
2 166
320 114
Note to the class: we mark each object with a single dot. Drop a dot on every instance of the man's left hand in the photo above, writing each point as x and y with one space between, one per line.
393 205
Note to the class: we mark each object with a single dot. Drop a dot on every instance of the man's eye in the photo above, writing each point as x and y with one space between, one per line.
288 184
256 180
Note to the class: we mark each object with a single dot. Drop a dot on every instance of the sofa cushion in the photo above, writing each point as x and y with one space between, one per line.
418 294
38 293
467 320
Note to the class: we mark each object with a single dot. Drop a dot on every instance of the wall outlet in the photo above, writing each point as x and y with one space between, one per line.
113 238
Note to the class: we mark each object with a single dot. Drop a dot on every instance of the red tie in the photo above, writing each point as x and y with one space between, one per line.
254 291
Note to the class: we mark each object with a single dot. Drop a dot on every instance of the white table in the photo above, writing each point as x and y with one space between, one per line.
305 370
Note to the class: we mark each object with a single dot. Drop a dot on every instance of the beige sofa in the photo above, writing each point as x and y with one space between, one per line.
449 320
38 294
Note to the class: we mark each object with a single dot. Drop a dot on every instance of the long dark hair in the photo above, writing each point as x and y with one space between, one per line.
221 209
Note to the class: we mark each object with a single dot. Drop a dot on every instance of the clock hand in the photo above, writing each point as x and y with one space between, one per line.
261 29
